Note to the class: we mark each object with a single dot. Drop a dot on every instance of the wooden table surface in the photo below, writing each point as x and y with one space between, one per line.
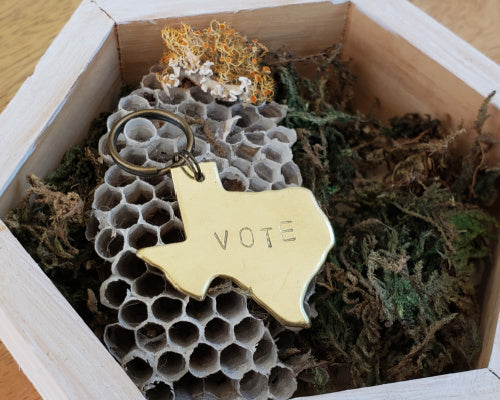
27 28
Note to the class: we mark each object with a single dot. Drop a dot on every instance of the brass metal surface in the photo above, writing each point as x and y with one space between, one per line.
270 243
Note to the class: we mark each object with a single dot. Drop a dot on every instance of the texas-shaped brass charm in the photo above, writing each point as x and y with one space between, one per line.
270 243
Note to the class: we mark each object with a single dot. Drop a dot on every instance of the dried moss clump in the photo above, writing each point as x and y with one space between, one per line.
219 59
50 223
396 299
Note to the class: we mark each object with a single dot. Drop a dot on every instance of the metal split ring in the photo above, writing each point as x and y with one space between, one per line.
192 164
180 159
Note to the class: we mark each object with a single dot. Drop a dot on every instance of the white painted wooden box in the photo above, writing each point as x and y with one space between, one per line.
401 57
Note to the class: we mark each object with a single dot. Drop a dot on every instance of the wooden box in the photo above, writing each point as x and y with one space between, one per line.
403 59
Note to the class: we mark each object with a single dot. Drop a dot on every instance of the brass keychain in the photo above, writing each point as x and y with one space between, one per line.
270 243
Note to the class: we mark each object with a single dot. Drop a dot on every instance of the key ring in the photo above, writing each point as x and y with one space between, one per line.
191 162
181 158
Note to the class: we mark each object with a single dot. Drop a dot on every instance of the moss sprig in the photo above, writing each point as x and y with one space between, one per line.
396 299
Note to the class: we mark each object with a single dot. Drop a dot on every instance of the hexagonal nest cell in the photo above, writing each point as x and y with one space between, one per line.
167 342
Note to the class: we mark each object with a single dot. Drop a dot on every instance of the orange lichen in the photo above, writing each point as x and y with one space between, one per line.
234 59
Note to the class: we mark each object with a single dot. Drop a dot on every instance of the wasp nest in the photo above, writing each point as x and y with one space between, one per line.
169 344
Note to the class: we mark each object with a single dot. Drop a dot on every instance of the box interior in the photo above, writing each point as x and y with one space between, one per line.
394 77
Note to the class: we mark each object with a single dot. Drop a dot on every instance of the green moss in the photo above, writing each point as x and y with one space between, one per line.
50 223
396 299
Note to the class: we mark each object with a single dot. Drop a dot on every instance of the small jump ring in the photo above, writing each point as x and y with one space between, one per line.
151 171
188 158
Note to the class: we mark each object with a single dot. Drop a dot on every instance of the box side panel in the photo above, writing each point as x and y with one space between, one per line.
398 73
303 28
491 325
479 384
410 69
57 351
126 11
76 78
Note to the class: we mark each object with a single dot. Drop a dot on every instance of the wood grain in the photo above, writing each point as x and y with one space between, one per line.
475 21
26 31
29 26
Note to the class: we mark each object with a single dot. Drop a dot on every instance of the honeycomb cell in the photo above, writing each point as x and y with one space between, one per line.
272 111
117 177
158 390
282 383
162 151
92 227
148 94
124 216
235 137
222 164
291 173
283 134
248 115
204 361
149 285
133 313
265 355
200 148
106 197
258 185
257 137
190 387
193 110
165 190
104 146
235 361
263 124
138 369
109 243
172 232
141 236
177 212
170 132
139 131
119 340
222 150
134 155
138 192
166 308
112 121
154 180
151 336
221 387
184 333
249 330
247 151
129 265
218 332
150 81
231 305
157 212
218 112
115 291
199 95
244 166
267 170
233 180
253 386
278 185
277 152
172 365
200 310
177 95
